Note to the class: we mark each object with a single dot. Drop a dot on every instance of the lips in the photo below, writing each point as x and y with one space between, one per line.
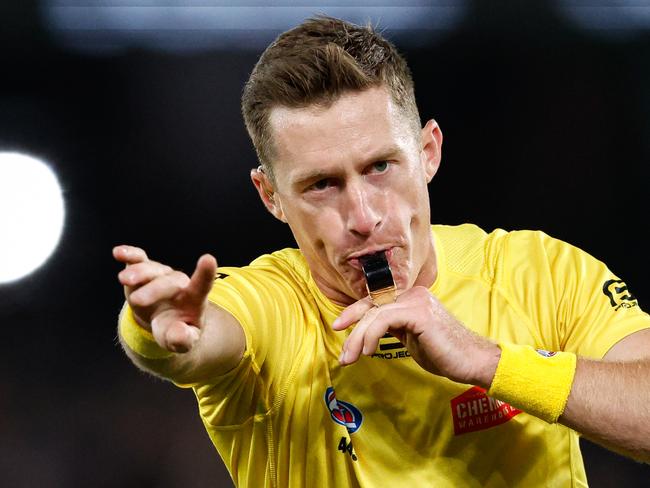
355 262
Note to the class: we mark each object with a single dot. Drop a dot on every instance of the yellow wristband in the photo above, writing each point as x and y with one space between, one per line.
535 381
139 340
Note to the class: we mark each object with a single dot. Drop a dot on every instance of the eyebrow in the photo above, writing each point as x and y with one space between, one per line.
319 174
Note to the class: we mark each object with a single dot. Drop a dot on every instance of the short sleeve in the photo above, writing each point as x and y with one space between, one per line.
595 307
575 301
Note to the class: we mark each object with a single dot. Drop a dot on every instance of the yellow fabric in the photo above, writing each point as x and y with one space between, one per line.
537 382
139 340
269 417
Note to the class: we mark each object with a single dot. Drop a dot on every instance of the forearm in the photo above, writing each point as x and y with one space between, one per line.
609 404
219 348
166 368
606 401
141 348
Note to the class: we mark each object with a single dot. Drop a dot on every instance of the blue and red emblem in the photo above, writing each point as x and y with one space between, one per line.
343 413
545 353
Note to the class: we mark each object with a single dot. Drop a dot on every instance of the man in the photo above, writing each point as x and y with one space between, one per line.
495 347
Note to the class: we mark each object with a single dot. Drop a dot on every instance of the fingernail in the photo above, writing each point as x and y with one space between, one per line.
342 357
336 323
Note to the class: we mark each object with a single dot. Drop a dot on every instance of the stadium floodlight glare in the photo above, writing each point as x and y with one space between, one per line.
620 19
109 26
31 215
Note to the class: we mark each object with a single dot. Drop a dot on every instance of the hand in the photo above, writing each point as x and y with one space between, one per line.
435 339
167 302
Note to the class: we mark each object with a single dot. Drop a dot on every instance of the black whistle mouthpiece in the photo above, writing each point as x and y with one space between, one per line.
377 272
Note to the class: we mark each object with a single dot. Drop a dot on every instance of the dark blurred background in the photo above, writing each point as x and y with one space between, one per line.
545 107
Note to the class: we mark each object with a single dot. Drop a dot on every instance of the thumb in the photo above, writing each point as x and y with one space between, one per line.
175 335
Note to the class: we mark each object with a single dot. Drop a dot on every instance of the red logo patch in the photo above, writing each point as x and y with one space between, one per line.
473 410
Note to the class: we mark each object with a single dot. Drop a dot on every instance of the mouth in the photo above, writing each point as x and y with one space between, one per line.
354 259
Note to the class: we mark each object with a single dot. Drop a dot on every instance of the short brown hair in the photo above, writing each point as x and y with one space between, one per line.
315 63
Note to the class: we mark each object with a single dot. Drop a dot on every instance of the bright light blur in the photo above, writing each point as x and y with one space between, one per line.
612 19
31 215
188 25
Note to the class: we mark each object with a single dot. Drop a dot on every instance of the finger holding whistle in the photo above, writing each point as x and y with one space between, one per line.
381 291
435 339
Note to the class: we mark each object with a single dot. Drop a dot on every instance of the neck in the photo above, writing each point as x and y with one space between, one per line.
429 270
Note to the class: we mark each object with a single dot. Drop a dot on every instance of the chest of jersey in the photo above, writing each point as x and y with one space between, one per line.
384 418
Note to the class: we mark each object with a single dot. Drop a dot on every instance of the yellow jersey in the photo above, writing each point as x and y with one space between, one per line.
290 416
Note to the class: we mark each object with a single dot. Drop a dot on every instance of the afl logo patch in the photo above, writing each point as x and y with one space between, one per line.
618 294
343 413
545 353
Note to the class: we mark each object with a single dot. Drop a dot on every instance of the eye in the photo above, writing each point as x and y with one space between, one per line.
321 185
379 167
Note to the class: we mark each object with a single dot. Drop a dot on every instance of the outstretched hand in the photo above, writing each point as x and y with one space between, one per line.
436 340
167 302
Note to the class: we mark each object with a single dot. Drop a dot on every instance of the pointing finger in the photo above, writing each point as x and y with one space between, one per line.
203 277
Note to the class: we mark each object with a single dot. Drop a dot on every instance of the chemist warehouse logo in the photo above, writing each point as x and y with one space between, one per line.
618 294
473 410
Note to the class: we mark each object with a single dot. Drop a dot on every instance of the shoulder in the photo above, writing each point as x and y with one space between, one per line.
535 249
469 249
527 263
277 272
461 248
288 259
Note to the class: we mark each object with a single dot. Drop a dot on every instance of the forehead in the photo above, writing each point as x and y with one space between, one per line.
354 128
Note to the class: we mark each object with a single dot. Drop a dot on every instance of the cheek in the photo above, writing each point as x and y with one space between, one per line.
409 202
318 226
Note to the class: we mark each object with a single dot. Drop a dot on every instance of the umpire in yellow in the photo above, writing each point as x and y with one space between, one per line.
496 351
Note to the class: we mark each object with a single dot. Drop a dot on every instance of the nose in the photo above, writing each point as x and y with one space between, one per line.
363 210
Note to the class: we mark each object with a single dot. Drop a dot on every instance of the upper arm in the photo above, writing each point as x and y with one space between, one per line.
593 307
633 347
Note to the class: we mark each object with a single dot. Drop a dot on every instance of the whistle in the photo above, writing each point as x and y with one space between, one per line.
379 278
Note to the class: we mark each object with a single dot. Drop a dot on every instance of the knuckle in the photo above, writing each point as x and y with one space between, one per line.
177 276
156 270
138 300
421 292
373 313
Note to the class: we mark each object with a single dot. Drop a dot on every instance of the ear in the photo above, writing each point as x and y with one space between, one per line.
266 192
431 148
